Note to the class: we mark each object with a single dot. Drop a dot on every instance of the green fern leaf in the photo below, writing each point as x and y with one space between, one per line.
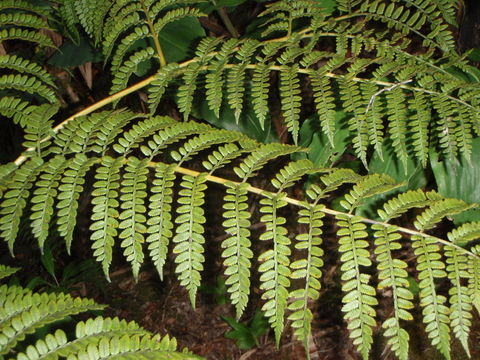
171 135
290 99
352 102
134 137
260 86
104 213
125 45
189 238
14 200
27 84
214 79
25 313
160 219
123 74
324 102
21 65
69 192
236 77
132 218
359 299
159 85
6 271
397 123
237 252
14 33
374 116
15 108
419 127
308 268
44 196
176 14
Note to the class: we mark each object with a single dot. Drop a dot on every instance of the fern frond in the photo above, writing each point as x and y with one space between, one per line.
6 271
69 192
274 267
474 279
215 80
176 14
132 218
171 135
160 223
392 274
189 238
259 157
260 86
460 300
23 19
123 74
126 44
187 90
352 102
39 127
374 116
236 77
397 117
226 153
14 199
33 36
91 14
324 102
204 141
13 62
16 109
359 299
419 127
290 99
27 84
119 27
104 213
44 197
237 254
160 84
308 268
23 314
134 137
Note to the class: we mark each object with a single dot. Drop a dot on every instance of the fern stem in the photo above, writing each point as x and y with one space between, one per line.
228 23
299 203
158 47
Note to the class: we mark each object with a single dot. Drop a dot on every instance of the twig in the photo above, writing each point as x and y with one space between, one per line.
372 99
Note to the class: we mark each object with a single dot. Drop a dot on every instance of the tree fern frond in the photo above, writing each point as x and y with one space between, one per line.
369 186
237 254
160 223
419 127
259 157
44 196
236 76
460 300
116 31
474 278
134 137
214 78
290 99
104 213
21 65
22 315
123 74
352 102
202 142
187 90
260 86
392 274
23 5
171 135
397 123
91 14
6 271
374 116
226 153
359 299
189 238
308 268
176 14
69 192
27 84
23 19
132 218
160 84
325 103
14 33
14 199
38 127
15 108
274 267
125 45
